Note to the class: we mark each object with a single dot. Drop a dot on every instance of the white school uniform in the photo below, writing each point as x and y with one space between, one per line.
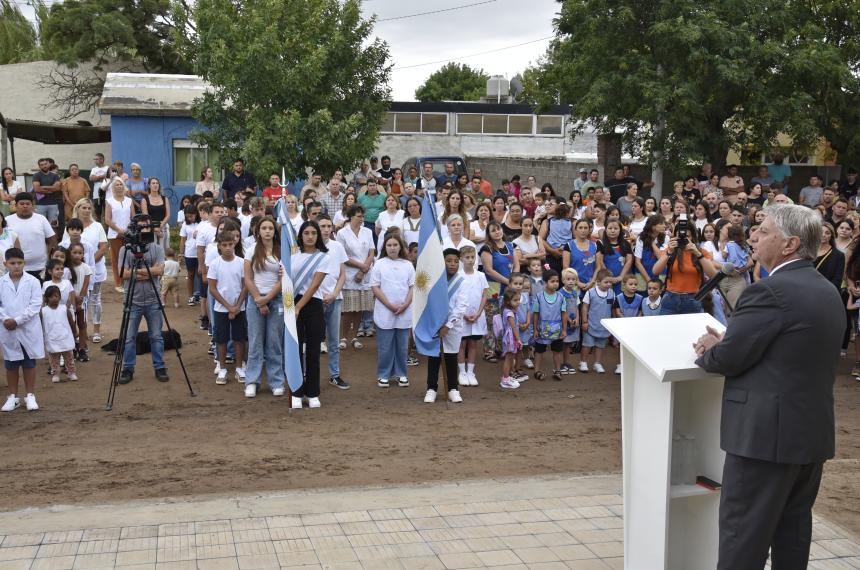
58 334
336 259
23 304
81 272
187 231
356 247
394 278
457 308
410 229
229 275
474 284
65 287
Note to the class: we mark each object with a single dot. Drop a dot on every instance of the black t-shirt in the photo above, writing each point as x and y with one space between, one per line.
511 233
692 196
386 173
617 188
233 184
849 190
48 179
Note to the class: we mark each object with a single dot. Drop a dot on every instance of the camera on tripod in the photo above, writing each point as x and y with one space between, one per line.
140 233
683 231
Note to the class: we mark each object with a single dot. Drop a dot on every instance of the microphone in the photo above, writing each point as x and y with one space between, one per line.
727 269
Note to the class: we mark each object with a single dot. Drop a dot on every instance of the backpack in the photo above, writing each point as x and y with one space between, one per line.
498 326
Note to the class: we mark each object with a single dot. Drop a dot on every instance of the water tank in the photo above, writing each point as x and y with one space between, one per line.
498 86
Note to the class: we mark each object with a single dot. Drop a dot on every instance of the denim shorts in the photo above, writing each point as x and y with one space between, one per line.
589 341
25 363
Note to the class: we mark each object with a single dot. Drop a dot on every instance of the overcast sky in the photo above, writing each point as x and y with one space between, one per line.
457 33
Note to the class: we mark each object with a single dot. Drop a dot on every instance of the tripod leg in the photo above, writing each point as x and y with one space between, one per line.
121 338
169 330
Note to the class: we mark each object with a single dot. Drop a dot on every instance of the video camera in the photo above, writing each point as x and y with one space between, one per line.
140 233
683 231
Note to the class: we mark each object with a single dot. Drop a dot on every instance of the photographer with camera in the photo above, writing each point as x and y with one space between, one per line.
687 266
141 251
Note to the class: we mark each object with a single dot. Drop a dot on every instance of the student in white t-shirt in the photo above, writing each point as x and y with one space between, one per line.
188 253
476 290
265 312
83 274
330 288
391 280
227 287
205 235
35 234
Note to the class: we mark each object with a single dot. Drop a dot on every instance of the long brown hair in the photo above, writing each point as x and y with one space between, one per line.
258 261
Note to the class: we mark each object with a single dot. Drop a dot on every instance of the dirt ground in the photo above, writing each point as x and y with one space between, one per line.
159 442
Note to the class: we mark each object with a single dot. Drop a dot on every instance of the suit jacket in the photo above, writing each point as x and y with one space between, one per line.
779 358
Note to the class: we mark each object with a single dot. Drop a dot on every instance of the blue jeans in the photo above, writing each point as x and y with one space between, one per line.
679 304
152 314
266 344
393 346
331 313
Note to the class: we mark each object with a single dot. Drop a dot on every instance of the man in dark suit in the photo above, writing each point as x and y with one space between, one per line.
779 357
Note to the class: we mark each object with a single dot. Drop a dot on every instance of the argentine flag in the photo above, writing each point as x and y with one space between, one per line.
292 364
430 297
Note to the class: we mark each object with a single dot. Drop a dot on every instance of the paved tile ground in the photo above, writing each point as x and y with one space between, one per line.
542 523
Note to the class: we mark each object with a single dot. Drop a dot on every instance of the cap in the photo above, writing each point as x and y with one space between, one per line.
583 171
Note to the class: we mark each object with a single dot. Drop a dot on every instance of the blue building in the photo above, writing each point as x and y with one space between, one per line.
151 124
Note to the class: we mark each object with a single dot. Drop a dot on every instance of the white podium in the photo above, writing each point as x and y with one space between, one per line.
663 392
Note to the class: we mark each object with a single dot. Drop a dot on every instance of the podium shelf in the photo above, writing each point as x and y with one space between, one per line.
684 491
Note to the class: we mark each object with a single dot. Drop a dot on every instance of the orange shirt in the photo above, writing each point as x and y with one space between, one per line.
686 279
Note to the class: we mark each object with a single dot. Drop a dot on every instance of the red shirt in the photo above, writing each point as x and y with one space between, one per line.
271 194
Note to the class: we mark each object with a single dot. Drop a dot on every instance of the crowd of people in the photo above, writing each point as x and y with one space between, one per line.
530 268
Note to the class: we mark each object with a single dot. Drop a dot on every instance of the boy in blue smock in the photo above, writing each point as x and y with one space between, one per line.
598 302
549 309
628 303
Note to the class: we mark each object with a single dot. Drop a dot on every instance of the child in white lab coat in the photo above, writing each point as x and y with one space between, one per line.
21 334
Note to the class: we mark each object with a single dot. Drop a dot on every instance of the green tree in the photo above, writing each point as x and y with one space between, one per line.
453 82
19 37
295 83
685 80
123 35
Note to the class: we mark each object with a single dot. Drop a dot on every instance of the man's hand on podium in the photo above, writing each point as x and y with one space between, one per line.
707 340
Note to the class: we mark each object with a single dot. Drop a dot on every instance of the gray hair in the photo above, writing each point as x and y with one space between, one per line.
454 218
800 222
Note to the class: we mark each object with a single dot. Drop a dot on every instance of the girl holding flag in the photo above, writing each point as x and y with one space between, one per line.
308 268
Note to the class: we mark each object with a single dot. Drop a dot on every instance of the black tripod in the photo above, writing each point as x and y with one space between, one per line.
138 262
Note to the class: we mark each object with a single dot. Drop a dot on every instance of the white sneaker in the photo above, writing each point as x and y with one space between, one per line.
296 403
250 390
473 380
12 403
403 382
323 347
618 369
221 378
277 391
356 344
583 366
599 368
454 396
520 378
342 344
509 384
240 375
314 403
463 379
30 400
529 363
429 397
55 379
217 367
382 382
73 377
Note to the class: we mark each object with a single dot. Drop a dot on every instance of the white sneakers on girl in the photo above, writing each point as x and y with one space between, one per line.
583 366
429 397
314 403
508 383
221 378
30 401
598 367
250 390
12 403
296 403
454 396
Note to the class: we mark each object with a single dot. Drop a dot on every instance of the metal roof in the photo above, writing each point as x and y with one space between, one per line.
150 94
162 94
55 133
